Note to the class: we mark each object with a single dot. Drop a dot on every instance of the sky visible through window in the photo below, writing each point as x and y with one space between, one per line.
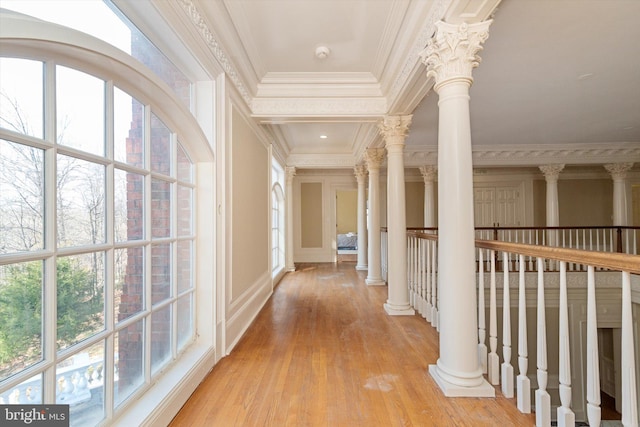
93 17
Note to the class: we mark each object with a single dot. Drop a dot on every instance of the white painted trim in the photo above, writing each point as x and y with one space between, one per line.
245 309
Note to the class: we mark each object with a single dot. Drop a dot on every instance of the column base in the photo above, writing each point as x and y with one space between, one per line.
289 269
453 390
375 282
362 267
398 311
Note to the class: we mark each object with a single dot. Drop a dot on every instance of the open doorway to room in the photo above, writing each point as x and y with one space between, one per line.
609 347
347 225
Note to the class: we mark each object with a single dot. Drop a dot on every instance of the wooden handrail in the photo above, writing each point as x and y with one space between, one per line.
607 260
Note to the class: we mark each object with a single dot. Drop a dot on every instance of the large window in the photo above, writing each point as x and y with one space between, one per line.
97 239
277 219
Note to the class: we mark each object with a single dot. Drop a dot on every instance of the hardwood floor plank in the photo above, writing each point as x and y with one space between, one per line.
323 352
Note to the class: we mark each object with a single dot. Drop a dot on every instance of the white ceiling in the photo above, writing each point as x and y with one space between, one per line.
555 75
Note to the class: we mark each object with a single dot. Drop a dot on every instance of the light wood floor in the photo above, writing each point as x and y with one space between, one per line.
323 352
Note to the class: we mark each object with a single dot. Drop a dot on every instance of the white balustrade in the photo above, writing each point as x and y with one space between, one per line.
523 382
566 417
507 368
593 370
482 347
493 362
515 256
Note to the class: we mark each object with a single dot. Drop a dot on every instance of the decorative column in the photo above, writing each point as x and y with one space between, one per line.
394 129
429 174
551 174
361 177
374 158
450 57
290 172
618 172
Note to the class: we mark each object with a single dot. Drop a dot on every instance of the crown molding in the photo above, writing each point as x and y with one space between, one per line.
319 107
302 85
534 155
198 21
318 161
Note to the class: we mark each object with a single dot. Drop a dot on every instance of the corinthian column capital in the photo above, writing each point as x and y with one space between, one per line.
394 129
374 158
360 171
452 53
551 172
618 171
429 173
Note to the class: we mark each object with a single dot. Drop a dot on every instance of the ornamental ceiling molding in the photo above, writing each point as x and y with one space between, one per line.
305 107
535 155
203 29
437 14
317 161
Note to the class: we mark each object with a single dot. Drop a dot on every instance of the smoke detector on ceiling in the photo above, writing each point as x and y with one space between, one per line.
322 52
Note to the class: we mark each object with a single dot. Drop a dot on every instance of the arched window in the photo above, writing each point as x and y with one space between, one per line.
277 229
98 223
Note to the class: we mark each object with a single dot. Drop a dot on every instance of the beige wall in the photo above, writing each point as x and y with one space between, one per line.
311 214
250 206
414 202
585 202
346 211
539 203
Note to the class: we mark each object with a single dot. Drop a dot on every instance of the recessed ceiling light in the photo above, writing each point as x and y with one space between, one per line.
323 137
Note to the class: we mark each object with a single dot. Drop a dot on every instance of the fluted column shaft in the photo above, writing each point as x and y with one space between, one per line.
394 130
450 57
289 264
429 174
374 158
361 177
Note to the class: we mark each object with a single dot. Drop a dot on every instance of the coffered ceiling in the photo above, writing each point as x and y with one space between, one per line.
559 79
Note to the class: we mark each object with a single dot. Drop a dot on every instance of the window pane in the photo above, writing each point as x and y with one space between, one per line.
184 210
80 202
128 118
128 205
160 272
160 146
21 197
185 280
25 393
129 361
80 110
20 317
160 208
129 282
80 293
80 384
185 173
21 96
185 320
160 338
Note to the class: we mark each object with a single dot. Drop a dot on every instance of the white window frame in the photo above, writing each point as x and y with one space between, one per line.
24 37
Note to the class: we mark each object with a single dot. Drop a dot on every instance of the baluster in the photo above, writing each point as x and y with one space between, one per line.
421 276
524 384
566 417
507 369
434 288
482 332
427 311
410 262
629 396
493 359
543 400
593 370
